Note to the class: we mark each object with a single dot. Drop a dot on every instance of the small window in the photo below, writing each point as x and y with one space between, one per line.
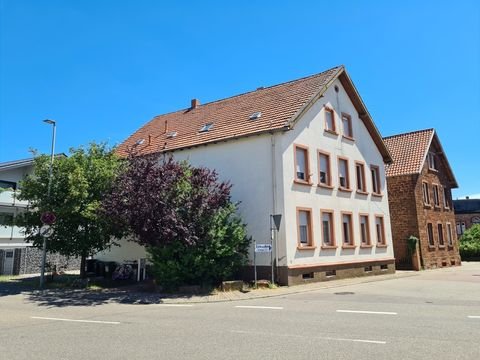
364 230
376 186
436 197
360 173
449 234
327 228
446 198
343 178
301 164
432 161
206 127
426 194
171 134
347 229
255 115
9 254
460 228
347 125
441 240
304 227
10 185
330 120
380 230
325 177
368 268
431 240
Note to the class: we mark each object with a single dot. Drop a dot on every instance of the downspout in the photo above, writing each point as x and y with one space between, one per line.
274 198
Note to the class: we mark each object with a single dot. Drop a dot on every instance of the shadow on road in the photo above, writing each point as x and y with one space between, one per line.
28 287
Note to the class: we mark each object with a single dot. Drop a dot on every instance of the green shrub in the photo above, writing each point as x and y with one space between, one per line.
470 243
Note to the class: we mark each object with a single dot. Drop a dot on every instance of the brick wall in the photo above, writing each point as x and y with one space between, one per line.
435 256
403 216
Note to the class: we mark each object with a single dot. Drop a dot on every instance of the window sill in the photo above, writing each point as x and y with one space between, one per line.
382 245
331 132
365 246
431 247
378 195
344 189
302 182
446 208
441 246
432 170
450 247
361 192
349 138
348 246
310 247
427 206
326 247
437 207
325 186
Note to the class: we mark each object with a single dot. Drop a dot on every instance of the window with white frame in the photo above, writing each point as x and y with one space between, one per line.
436 196
343 176
449 234
441 241
304 227
432 161
325 177
347 125
446 198
330 120
426 194
380 230
327 228
376 186
347 229
431 240
364 230
360 173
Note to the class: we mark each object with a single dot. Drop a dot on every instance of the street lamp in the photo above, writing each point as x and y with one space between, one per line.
44 251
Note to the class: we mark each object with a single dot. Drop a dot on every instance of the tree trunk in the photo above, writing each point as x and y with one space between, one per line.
83 264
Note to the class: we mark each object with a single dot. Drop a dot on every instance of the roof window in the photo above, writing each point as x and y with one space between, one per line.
171 134
256 115
206 127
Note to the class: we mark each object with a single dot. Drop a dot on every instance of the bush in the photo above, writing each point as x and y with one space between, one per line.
222 253
470 243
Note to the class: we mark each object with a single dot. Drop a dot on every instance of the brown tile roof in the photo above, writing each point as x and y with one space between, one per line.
280 105
408 151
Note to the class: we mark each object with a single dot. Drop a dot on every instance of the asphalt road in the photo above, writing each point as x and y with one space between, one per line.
435 315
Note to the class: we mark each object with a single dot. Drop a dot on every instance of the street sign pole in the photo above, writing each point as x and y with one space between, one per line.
271 243
255 260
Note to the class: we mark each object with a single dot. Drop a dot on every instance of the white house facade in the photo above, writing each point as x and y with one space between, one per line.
307 150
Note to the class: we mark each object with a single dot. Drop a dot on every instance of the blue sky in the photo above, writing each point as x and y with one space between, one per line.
102 68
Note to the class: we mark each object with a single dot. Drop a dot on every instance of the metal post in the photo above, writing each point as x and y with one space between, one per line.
52 156
255 261
271 244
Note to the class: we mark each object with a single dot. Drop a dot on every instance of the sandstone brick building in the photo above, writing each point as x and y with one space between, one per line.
467 214
419 183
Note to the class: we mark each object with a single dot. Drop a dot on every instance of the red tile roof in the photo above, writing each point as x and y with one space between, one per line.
408 151
280 106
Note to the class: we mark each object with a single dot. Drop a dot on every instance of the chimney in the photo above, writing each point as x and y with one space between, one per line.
195 104
467 197
166 126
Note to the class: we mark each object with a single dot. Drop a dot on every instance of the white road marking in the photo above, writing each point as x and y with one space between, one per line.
367 312
175 305
473 316
255 333
260 307
73 320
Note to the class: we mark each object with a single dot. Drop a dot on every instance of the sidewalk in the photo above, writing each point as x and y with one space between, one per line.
280 291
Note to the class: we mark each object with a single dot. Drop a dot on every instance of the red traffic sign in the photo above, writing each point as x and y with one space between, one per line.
48 218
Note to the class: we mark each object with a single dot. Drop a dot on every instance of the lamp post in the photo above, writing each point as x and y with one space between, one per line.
52 156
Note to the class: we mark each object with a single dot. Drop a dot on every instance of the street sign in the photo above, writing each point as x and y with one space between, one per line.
48 218
46 231
276 220
263 248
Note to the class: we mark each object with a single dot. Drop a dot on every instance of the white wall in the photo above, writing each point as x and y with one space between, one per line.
309 131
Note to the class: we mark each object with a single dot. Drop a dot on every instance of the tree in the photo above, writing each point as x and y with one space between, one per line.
78 185
184 217
470 243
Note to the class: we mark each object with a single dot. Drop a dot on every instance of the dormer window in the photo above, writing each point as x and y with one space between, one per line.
206 127
432 161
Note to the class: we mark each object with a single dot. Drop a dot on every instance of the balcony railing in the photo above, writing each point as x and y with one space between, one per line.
9 197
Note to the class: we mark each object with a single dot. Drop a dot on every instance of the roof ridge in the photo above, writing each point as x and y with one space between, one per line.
409 133
252 91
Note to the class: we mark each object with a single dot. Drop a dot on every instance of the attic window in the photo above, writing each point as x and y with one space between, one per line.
140 141
256 115
206 127
432 161
171 134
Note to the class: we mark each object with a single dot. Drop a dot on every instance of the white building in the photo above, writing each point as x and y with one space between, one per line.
306 149
17 256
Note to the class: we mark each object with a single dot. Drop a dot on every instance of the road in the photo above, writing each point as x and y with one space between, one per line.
435 315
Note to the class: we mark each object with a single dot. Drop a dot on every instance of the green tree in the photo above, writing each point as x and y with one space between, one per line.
78 185
470 243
